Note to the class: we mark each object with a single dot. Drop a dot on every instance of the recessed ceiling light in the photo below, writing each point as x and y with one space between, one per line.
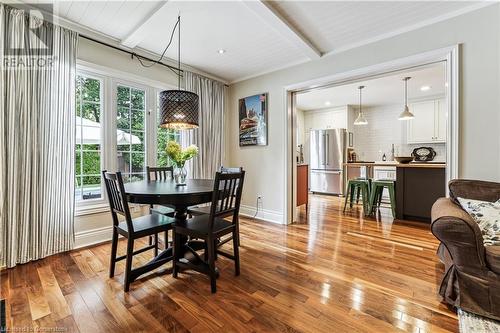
425 88
221 51
327 103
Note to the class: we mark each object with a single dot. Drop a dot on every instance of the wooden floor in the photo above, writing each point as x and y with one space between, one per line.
329 273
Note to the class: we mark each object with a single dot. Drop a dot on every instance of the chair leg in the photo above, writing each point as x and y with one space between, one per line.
237 226
156 245
150 240
236 252
114 247
177 254
128 264
166 239
211 264
357 194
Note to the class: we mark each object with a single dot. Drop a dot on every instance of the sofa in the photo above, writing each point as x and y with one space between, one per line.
472 271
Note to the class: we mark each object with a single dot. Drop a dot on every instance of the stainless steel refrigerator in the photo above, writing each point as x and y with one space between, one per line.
327 155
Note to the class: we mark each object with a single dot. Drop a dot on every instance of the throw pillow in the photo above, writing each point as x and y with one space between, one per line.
487 216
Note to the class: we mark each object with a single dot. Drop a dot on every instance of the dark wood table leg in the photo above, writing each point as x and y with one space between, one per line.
181 215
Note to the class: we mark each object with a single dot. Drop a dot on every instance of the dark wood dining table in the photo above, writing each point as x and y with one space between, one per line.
167 193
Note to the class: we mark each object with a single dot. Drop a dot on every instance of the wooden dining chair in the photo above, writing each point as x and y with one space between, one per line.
226 201
200 210
160 173
132 229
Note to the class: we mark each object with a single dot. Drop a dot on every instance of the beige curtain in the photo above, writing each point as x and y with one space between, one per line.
209 137
37 131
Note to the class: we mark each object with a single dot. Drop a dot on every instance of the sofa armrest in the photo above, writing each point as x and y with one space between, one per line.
460 234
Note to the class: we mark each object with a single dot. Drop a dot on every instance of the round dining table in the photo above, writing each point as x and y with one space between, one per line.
167 193
179 197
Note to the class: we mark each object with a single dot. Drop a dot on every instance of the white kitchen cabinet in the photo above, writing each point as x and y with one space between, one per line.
429 124
440 121
325 119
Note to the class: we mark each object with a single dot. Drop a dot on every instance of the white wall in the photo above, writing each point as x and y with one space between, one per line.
478 32
371 141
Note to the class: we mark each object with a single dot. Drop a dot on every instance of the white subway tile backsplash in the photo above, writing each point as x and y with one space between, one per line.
384 129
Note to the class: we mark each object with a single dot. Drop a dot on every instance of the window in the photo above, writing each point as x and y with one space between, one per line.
131 130
88 138
163 136
116 131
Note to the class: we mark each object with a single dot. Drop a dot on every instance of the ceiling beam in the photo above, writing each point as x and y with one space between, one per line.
138 34
285 28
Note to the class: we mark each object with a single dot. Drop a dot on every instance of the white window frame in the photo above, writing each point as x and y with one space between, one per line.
110 78
91 204
149 122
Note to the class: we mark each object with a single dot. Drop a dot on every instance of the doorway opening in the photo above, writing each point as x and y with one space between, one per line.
323 134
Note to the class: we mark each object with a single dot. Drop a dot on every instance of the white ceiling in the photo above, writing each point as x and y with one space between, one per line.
386 90
258 36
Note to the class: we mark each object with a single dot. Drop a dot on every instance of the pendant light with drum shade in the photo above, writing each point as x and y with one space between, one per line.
361 120
179 108
406 114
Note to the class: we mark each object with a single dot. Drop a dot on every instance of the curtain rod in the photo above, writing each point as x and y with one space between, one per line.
133 54
172 68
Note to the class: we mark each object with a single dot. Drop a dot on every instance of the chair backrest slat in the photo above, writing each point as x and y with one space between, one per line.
224 169
227 195
159 173
116 195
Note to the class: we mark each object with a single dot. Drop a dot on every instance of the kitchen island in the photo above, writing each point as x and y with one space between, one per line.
418 186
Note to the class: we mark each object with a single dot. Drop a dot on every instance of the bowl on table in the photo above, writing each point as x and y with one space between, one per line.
403 159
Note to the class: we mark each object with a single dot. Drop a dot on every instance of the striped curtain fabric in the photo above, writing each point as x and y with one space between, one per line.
209 137
37 137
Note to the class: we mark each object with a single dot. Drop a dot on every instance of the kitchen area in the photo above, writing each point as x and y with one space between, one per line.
391 128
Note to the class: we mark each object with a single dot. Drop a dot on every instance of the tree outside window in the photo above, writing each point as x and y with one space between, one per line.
131 128
88 138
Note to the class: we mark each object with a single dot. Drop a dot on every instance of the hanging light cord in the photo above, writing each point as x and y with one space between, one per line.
360 108
406 91
177 24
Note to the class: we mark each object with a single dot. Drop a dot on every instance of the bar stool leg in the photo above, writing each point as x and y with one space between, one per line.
365 199
393 200
347 195
372 199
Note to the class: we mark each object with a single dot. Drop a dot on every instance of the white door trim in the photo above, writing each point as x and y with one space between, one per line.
449 54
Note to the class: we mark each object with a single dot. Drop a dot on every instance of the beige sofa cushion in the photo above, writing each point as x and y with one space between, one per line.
487 216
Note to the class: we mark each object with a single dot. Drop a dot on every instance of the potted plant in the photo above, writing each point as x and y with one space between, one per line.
179 157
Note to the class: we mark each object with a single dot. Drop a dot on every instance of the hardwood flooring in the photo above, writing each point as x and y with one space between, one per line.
331 272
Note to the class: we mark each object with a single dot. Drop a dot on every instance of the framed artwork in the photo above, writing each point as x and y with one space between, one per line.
253 120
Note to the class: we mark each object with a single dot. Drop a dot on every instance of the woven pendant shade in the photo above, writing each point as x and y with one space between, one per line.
179 109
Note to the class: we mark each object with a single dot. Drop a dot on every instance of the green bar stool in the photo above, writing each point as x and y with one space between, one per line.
376 194
355 187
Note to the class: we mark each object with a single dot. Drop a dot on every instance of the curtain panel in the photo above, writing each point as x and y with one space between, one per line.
37 137
209 137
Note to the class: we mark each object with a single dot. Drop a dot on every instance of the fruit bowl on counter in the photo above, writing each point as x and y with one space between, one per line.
403 159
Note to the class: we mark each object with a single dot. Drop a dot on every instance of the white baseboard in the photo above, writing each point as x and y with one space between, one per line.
94 236
263 214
